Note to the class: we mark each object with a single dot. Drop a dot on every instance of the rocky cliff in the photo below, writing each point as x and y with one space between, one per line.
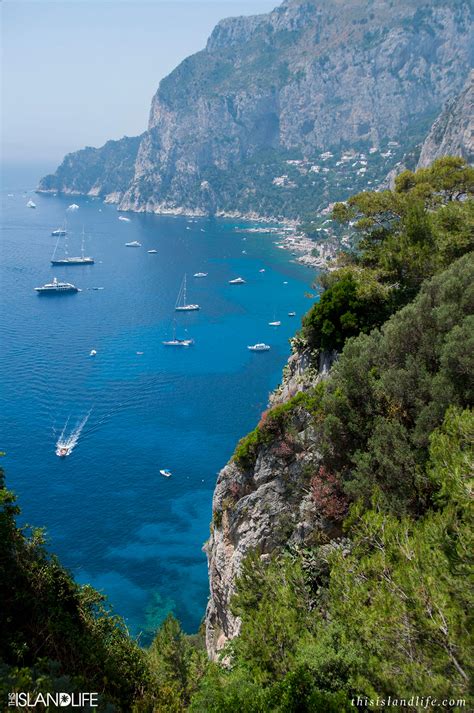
266 504
453 131
310 76
104 172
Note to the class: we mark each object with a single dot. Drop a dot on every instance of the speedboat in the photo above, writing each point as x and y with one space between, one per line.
133 244
262 270
237 281
93 352
165 472
291 314
260 347
59 232
276 323
56 288
125 220
152 252
200 274
62 451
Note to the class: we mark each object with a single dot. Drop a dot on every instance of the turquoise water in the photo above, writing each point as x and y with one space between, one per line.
109 515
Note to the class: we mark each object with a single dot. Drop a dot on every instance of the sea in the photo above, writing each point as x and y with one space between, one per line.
108 514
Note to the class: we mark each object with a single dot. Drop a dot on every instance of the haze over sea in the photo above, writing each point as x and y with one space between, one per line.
109 515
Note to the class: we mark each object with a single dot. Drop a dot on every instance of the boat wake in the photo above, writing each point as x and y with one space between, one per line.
69 439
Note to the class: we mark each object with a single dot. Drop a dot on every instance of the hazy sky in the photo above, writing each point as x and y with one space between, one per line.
78 72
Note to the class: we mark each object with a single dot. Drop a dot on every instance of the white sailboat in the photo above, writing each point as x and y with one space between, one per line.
181 304
260 347
175 342
66 260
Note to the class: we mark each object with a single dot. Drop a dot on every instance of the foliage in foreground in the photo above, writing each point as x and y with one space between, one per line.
385 612
406 236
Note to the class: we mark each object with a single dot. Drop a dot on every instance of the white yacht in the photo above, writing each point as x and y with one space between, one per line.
152 252
275 323
260 347
237 281
56 288
133 244
124 219
291 314
200 274
181 303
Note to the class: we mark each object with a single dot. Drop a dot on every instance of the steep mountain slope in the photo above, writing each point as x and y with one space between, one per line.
453 131
96 172
310 76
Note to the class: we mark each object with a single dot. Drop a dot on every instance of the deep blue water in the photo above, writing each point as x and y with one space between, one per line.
109 515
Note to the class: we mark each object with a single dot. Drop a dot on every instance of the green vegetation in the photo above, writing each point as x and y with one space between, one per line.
406 236
380 608
384 613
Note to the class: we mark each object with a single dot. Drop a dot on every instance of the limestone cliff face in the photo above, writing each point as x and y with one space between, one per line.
265 506
105 172
311 75
453 131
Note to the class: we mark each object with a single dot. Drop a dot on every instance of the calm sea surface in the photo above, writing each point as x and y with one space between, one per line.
109 515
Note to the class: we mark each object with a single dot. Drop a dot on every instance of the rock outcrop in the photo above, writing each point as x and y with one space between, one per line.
453 131
267 505
309 76
104 172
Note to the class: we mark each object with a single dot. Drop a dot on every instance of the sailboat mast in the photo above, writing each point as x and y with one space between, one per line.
82 243
184 291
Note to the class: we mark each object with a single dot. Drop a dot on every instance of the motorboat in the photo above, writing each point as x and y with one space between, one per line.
200 274
124 219
30 204
275 323
260 347
133 244
165 472
237 281
152 252
56 288
92 352
291 314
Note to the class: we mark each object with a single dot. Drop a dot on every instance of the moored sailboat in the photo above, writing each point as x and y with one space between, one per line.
181 303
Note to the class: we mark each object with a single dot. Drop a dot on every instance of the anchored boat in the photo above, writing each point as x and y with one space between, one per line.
66 260
181 303
56 288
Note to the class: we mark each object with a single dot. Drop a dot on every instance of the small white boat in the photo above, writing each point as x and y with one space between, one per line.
262 270
93 352
178 342
200 274
73 206
275 323
165 472
62 451
285 283
152 252
291 314
140 353
260 347
30 204
181 304
124 219
133 244
244 252
237 281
